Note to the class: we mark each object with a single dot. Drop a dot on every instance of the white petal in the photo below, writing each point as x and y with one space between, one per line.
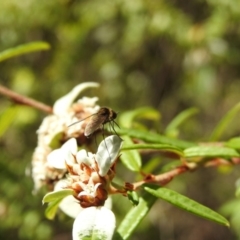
56 159
69 204
107 153
94 221
89 102
84 157
69 149
70 145
62 105
108 203
89 190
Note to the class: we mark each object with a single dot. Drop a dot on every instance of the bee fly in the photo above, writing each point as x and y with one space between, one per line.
98 120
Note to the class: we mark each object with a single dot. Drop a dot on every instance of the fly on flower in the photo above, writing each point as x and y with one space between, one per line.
98 120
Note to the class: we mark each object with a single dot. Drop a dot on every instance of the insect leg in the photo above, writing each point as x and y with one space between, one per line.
112 126
95 138
103 135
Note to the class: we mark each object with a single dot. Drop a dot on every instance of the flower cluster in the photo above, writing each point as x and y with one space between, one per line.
89 179
81 180
89 175
54 131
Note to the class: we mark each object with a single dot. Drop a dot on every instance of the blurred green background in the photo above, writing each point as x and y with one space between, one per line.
170 55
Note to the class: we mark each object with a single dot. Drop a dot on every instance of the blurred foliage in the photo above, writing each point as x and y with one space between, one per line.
170 55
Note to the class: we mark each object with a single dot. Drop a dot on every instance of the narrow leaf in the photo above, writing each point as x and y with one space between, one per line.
224 123
51 209
187 204
179 119
210 151
135 216
231 208
152 164
155 138
233 143
133 197
171 165
237 193
23 49
52 196
160 147
131 158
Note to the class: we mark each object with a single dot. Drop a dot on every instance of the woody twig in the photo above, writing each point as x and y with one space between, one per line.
20 99
165 178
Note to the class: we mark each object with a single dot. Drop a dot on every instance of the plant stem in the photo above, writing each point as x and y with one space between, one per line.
20 99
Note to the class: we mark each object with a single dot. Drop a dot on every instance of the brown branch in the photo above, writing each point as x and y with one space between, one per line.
162 179
20 99
165 178
221 162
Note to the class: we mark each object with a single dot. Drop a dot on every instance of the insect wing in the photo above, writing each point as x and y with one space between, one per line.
80 120
94 124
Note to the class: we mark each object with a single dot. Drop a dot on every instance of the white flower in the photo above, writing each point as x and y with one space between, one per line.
89 175
59 157
63 104
105 157
89 189
85 157
94 221
54 131
69 205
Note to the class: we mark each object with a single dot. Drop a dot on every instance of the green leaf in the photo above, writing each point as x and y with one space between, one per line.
231 207
126 119
237 193
160 147
187 204
173 126
171 165
7 118
133 197
23 49
224 123
52 208
131 159
118 184
152 164
53 196
233 143
155 138
135 216
210 151
56 140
